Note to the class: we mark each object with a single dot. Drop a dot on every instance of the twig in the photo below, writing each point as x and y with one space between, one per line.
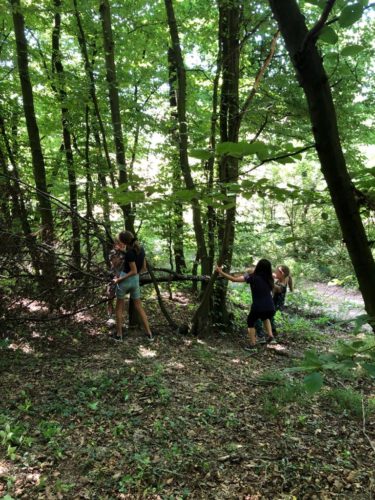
313 34
259 76
280 157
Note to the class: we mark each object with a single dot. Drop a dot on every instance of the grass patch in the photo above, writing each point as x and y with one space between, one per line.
348 402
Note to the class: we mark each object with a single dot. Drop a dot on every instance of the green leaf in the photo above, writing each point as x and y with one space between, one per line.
370 368
185 194
200 154
351 50
93 405
240 149
123 198
358 344
328 35
313 382
285 241
350 14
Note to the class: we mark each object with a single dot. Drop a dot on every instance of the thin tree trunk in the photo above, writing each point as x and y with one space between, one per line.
57 67
229 26
18 198
308 64
203 321
88 194
92 90
183 133
177 219
114 101
45 210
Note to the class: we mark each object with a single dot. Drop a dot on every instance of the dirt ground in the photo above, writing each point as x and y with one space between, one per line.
83 417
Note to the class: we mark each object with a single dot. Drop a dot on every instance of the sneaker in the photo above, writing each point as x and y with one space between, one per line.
150 338
262 340
251 348
116 337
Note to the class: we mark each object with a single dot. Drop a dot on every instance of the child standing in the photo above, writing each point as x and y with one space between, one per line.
261 284
128 282
116 259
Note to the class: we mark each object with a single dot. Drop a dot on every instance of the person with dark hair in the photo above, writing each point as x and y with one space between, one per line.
283 280
261 284
128 282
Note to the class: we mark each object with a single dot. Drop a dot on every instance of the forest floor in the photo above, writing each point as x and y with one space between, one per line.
83 417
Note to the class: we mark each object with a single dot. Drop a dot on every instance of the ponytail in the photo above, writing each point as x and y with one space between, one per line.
286 271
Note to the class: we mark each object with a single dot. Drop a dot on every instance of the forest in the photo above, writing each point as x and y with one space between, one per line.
219 135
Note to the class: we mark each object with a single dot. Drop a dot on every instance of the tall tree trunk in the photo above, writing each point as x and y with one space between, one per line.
229 26
57 67
92 89
203 319
308 64
19 206
88 192
114 101
183 133
177 218
47 232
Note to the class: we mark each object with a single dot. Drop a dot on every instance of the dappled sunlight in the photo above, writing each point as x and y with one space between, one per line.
236 361
145 352
278 348
129 361
175 365
177 297
33 306
24 347
4 467
81 317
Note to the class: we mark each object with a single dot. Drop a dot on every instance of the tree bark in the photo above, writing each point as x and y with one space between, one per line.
92 89
313 79
203 321
19 206
114 101
57 67
229 26
177 218
183 133
45 210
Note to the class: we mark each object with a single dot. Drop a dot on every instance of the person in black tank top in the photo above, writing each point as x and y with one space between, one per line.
128 282
261 284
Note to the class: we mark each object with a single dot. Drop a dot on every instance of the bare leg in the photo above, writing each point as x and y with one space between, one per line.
142 314
268 328
119 316
251 335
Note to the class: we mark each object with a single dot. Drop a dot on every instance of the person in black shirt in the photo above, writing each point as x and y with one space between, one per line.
283 279
261 283
128 282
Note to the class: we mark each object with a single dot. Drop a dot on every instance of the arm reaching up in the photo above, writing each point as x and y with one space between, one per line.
236 279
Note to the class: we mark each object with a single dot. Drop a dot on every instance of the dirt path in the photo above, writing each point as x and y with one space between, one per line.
341 303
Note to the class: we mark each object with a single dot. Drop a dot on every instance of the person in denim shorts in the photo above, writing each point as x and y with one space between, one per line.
128 282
